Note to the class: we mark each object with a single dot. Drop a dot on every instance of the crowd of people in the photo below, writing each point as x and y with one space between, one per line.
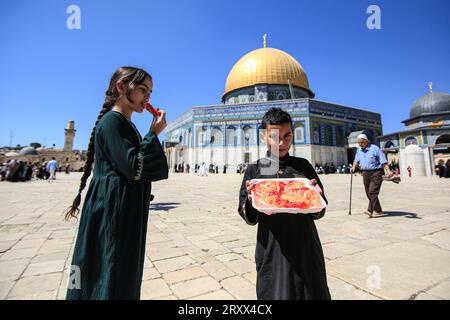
200 168
240 168
326 169
214 168
182 167
20 171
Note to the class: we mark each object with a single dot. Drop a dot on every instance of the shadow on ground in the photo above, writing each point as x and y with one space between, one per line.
163 206
408 215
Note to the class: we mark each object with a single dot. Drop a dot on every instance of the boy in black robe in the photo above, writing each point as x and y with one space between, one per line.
289 260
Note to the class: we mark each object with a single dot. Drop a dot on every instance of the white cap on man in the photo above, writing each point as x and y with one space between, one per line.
362 136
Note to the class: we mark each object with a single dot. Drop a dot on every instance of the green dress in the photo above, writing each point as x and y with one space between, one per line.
109 253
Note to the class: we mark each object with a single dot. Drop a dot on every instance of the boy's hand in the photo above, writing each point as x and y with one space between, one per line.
313 182
249 187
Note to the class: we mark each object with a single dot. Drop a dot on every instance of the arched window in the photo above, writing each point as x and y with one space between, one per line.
410 140
261 140
389 144
299 134
185 137
231 136
445 138
201 138
189 138
246 136
316 133
339 136
328 135
215 136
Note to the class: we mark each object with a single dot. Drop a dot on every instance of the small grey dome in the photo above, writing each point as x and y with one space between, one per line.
431 103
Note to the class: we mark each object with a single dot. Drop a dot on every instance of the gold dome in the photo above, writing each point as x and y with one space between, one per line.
266 66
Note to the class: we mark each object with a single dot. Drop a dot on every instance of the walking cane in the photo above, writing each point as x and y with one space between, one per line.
351 184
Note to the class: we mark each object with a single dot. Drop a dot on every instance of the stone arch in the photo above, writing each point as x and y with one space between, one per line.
443 139
389 144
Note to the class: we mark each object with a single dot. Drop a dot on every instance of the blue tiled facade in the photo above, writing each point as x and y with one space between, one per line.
315 123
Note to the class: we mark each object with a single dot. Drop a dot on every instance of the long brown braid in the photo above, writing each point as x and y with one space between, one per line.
131 77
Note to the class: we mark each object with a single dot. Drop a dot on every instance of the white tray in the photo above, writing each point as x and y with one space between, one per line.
270 211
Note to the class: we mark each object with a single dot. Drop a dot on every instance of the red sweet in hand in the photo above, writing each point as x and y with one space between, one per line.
152 110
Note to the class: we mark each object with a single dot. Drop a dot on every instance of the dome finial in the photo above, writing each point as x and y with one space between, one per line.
265 40
430 85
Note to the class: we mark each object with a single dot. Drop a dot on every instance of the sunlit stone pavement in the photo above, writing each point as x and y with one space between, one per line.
199 248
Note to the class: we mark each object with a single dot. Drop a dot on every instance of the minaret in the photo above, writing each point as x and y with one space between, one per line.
69 136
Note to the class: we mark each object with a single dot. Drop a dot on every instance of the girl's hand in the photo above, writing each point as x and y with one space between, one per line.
249 187
313 182
159 123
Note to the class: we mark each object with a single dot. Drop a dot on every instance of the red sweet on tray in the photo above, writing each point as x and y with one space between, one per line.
286 195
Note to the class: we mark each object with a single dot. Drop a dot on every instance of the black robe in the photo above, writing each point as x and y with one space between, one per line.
289 260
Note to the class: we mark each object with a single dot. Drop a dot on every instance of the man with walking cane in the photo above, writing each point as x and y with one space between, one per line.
372 162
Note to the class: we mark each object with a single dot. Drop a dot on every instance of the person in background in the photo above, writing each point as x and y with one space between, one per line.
52 166
372 162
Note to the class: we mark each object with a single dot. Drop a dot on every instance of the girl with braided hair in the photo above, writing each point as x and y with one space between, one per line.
110 248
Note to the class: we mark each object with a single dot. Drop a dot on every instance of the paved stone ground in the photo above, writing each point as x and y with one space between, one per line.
199 248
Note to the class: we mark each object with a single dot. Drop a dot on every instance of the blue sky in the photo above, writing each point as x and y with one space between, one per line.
51 74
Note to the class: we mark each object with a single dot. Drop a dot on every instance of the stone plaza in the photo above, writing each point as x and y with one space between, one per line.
198 247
